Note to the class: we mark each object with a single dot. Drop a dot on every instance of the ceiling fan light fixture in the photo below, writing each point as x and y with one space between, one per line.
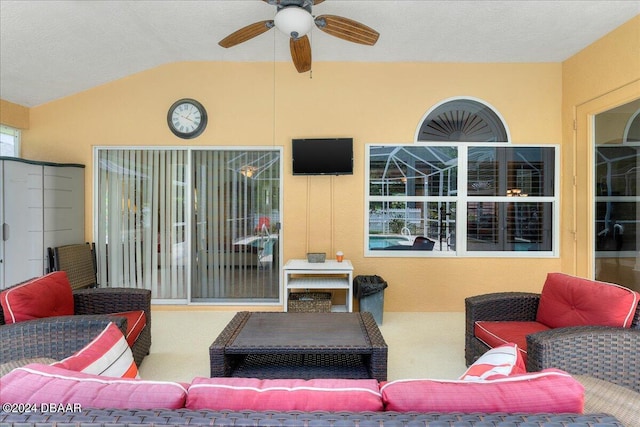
294 21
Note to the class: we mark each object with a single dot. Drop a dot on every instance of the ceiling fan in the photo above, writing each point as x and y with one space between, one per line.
294 18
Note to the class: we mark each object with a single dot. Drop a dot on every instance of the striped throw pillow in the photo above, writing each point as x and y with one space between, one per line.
499 362
108 355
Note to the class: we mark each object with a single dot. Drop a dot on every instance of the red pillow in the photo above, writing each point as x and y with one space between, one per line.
45 296
573 301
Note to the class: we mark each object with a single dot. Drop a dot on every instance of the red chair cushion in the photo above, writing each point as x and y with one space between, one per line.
44 296
495 334
136 322
573 301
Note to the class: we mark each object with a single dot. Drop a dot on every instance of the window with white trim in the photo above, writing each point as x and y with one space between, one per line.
467 193
457 200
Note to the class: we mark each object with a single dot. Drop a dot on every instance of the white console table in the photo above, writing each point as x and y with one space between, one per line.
331 274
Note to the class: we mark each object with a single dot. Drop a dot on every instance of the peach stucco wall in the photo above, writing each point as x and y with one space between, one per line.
269 104
14 115
259 104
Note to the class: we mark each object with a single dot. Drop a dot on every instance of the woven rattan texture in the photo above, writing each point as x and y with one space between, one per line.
309 302
291 361
303 366
603 396
78 262
53 337
113 418
607 353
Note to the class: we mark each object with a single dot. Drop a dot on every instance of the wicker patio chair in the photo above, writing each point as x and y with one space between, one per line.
52 337
59 337
607 353
79 262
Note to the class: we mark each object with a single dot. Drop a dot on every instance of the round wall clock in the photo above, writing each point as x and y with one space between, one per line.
187 118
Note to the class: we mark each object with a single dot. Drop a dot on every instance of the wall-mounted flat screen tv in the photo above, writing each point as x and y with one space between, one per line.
322 156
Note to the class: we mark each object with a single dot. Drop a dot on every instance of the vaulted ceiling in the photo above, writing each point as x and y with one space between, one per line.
51 49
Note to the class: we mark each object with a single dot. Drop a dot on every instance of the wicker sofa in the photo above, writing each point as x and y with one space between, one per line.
61 336
115 417
324 402
604 352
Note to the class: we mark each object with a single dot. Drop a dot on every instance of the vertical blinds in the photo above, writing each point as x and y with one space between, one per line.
236 211
141 229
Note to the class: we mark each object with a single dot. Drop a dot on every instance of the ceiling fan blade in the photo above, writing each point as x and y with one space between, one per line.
246 33
301 53
347 29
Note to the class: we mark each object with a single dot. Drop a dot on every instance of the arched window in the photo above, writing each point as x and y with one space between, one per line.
461 189
462 120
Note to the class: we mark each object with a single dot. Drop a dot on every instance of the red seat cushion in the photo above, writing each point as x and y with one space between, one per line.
573 301
44 384
136 322
322 394
495 334
44 296
551 390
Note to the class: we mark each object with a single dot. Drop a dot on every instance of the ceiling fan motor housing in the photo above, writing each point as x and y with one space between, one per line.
294 21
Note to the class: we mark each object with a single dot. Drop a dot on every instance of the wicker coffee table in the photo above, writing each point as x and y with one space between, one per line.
300 345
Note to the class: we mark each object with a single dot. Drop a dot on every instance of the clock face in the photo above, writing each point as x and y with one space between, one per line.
187 118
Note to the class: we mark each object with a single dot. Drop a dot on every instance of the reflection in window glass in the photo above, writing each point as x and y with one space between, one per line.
500 226
411 190
511 171
418 226
508 203
617 212
616 193
413 171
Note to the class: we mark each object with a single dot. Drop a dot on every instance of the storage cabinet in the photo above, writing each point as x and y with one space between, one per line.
41 205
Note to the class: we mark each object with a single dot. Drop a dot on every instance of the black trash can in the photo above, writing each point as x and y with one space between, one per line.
370 293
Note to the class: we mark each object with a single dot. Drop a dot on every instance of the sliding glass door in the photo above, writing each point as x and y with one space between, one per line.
190 225
236 217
